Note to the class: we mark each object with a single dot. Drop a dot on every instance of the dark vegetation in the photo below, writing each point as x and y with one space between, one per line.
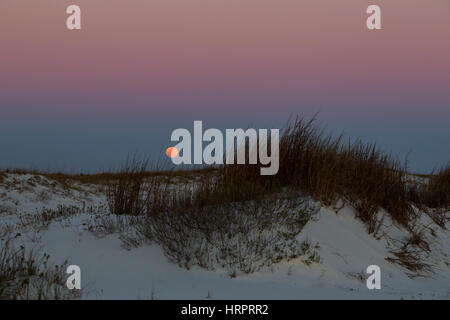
326 167
105 177
437 191
332 170
200 222
236 218
28 275
238 236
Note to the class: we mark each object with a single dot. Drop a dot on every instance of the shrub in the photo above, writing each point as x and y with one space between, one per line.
3 176
24 275
237 236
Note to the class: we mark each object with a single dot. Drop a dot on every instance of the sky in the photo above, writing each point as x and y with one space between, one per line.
82 100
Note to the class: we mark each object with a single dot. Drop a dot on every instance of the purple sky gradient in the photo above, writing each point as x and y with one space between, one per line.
83 100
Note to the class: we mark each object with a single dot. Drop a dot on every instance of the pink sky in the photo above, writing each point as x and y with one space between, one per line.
178 48
209 57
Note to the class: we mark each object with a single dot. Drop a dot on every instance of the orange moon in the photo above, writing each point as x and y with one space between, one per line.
172 152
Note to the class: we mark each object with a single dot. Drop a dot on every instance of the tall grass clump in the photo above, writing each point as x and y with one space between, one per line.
124 192
136 191
330 169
